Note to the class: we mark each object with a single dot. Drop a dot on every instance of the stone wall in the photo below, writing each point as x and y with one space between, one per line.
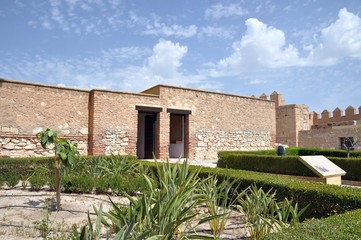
116 141
290 119
337 116
28 146
105 122
328 137
29 108
217 113
114 121
210 142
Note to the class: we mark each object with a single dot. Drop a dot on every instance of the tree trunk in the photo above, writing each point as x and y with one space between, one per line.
57 180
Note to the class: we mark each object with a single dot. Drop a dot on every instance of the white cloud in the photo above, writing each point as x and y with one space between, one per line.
211 31
166 58
161 29
257 81
91 17
155 26
218 11
261 47
339 40
265 47
128 69
162 67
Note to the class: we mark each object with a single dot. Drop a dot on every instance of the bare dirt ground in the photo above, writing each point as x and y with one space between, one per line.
19 209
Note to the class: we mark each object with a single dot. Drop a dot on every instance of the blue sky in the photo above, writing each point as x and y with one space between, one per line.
309 51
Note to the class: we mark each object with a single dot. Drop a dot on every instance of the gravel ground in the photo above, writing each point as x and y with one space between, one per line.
19 209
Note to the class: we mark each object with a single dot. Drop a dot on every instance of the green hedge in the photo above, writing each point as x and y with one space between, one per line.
82 179
289 165
22 167
328 153
295 151
323 200
342 226
270 164
352 167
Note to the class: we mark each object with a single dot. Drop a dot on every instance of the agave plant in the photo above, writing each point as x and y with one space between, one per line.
264 214
219 200
165 211
119 165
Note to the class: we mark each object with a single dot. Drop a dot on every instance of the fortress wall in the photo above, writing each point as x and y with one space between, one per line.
222 121
27 108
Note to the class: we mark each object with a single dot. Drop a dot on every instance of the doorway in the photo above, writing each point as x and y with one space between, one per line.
147 135
177 136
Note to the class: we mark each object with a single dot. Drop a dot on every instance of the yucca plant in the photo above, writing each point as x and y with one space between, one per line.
287 213
256 205
119 165
219 200
166 210
92 231
264 214
12 181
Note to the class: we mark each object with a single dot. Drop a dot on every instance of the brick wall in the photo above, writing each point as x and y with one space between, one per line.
28 108
290 119
114 121
336 117
328 137
105 122
231 120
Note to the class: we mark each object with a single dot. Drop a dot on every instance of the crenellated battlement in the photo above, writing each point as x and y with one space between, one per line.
275 96
337 117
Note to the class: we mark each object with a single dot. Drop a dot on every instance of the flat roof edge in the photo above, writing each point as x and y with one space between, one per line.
205 91
42 85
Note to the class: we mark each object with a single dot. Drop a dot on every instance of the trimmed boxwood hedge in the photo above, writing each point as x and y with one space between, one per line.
322 200
342 226
270 164
295 151
23 167
289 165
328 153
72 182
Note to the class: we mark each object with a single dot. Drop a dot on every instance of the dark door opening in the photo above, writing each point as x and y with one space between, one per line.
149 136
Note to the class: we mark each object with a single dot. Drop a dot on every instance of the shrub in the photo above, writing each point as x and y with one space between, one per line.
77 184
131 184
326 200
23 166
12 181
2 181
264 214
352 167
343 226
162 213
289 165
296 151
101 185
38 181
260 163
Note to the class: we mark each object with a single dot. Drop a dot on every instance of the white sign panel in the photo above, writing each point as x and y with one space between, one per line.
322 166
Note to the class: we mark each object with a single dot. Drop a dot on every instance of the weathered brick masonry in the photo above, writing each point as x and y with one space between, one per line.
328 130
296 126
26 109
165 121
221 121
